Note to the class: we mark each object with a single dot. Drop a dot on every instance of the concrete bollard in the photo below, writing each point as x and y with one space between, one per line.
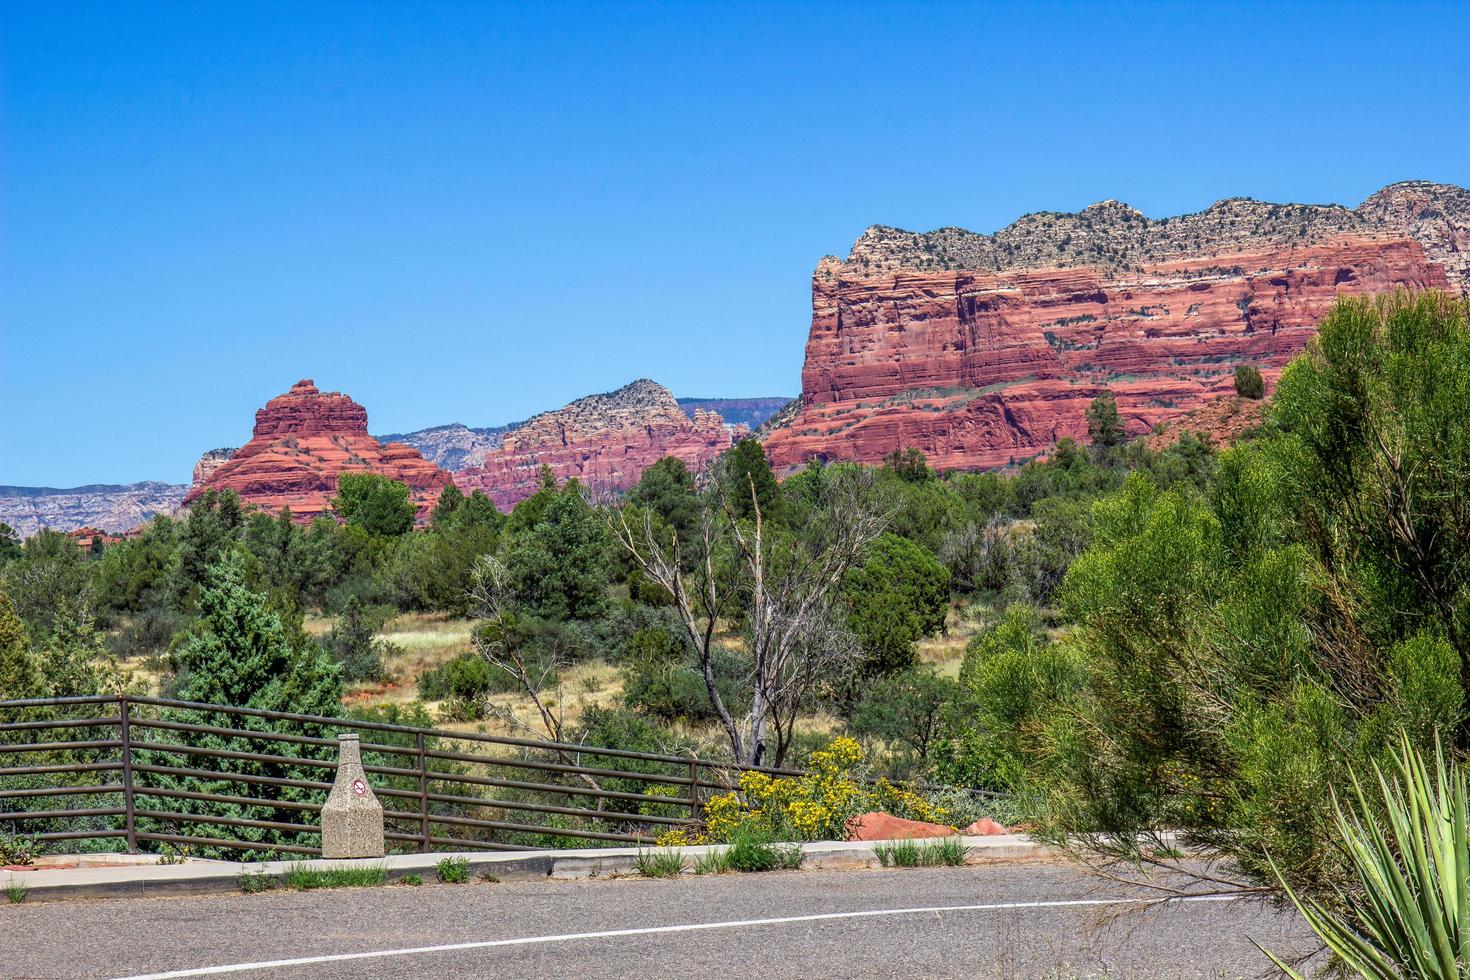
352 819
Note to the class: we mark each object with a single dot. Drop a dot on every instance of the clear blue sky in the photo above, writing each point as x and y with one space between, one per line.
473 212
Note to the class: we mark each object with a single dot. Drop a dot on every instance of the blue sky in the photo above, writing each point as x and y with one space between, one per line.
473 212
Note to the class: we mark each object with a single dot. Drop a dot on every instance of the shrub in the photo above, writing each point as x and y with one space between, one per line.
752 848
815 806
1248 382
675 689
352 640
453 870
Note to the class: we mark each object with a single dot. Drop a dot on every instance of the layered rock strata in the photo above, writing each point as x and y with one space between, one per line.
982 351
303 441
605 441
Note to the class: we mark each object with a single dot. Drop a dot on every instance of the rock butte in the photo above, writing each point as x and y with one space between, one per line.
303 441
982 351
605 441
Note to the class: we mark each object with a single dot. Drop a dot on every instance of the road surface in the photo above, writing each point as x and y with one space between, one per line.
997 921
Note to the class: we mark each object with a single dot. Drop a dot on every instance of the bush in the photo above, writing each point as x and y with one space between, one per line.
657 684
352 641
815 806
1248 382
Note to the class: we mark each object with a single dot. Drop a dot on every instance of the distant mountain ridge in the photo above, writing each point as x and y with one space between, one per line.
112 507
456 446
606 441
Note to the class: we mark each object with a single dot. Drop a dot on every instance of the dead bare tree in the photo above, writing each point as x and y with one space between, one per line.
785 591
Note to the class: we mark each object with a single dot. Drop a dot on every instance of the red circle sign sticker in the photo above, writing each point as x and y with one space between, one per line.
359 787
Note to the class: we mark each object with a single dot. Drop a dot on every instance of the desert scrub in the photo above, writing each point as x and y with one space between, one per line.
253 882
752 849
453 871
659 864
943 852
303 878
817 805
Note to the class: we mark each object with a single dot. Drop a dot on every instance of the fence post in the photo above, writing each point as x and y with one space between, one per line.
126 737
694 804
423 797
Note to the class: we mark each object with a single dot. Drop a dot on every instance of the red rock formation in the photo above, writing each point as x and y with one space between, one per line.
877 825
304 440
987 368
605 441
1222 421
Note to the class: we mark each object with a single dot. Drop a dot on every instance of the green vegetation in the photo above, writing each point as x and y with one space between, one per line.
1121 639
453 871
751 849
1248 382
1408 846
299 877
411 880
254 882
374 503
943 852
659 864
15 890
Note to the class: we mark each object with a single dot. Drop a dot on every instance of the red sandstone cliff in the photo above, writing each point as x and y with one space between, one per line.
606 441
303 441
982 351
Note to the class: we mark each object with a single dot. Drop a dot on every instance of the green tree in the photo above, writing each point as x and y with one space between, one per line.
20 674
241 653
371 501
9 543
1248 382
906 709
448 503
667 489
897 596
746 468
1104 425
1247 648
559 567
52 569
213 526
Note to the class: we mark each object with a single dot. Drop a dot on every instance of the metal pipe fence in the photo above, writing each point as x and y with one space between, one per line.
125 772
137 772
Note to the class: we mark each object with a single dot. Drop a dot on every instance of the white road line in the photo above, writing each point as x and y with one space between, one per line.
654 930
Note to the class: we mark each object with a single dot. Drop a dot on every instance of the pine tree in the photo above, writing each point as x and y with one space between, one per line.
240 653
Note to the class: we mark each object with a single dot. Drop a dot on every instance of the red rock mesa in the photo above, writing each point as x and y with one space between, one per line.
982 351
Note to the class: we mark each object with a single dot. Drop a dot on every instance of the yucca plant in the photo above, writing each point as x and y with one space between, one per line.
1412 916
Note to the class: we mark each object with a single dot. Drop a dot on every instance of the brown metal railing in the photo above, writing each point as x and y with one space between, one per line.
142 771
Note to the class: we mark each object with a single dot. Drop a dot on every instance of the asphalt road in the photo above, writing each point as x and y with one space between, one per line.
1010 923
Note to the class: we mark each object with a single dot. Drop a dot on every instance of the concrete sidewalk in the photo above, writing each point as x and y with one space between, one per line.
121 876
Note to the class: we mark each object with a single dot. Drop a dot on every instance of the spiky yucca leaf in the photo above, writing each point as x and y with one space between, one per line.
1412 918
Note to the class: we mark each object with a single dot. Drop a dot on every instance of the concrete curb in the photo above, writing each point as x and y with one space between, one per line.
214 877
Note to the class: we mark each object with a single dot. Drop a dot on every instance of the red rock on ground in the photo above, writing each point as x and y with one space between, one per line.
983 369
984 827
605 441
878 825
303 441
